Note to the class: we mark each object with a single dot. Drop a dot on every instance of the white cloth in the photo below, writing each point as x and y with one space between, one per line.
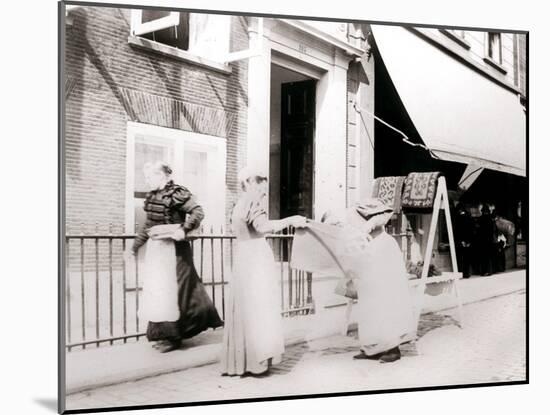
159 299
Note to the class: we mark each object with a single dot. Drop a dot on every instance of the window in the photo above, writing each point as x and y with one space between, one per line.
459 33
203 35
197 161
494 47
458 36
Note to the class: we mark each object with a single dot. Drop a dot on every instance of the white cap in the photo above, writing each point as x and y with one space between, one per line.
252 170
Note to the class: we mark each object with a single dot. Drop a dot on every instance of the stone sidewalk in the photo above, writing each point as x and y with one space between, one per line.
490 348
109 365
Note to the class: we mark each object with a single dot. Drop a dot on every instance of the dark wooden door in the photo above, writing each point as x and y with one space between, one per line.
297 131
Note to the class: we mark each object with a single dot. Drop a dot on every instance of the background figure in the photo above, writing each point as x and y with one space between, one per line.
505 231
253 335
485 241
172 269
463 227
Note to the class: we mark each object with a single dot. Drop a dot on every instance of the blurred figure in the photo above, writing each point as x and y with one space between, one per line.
486 238
463 227
174 301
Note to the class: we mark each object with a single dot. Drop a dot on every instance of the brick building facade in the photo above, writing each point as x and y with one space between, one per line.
114 83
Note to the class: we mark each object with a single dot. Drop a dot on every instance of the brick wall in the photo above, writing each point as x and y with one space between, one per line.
100 65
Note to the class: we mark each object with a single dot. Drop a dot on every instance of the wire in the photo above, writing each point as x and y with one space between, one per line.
405 138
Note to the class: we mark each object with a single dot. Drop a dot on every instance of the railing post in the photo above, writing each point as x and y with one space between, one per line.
82 284
68 277
124 287
96 241
111 279
137 291
222 253
212 265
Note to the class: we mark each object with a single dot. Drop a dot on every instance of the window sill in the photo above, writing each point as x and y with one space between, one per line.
456 38
495 64
179 54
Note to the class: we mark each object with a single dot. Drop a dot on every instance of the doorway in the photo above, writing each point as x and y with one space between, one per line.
297 132
292 131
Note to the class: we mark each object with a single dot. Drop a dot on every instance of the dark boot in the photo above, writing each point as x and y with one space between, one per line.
391 355
363 355
169 346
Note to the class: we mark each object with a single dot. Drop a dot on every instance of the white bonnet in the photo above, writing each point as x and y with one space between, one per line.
251 170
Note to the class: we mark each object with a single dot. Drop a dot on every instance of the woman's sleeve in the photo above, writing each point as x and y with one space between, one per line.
141 238
185 201
141 235
257 214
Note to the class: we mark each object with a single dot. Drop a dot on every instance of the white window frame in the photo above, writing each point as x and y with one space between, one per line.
181 141
497 64
488 47
139 28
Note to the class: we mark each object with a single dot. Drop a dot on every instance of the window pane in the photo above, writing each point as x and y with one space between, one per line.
177 36
139 213
195 175
494 46
148 152
150 15
459 33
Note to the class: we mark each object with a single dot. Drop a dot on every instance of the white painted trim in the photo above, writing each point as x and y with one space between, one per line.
139 28
240 55
278 44
284 62
176 53
319 34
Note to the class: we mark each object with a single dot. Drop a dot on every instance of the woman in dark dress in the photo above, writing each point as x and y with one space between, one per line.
169 203
464 235
486 238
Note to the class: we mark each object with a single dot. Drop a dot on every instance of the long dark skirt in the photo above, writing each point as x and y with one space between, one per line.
197 312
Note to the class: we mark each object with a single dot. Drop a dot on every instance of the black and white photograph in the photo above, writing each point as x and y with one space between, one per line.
262 206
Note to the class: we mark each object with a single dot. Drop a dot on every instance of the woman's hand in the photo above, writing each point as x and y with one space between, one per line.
298 221
178 235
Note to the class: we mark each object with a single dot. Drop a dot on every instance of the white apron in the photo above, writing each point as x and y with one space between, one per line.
159 299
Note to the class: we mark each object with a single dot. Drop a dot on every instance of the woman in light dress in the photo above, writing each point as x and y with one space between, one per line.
253 337
386 316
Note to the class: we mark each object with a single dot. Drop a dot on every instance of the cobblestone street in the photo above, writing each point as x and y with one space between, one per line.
490 348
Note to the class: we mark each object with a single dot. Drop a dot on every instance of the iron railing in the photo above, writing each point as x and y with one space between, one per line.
103 289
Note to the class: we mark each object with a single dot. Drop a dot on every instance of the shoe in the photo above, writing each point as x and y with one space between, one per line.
391 355
158 344
168 347
362 356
